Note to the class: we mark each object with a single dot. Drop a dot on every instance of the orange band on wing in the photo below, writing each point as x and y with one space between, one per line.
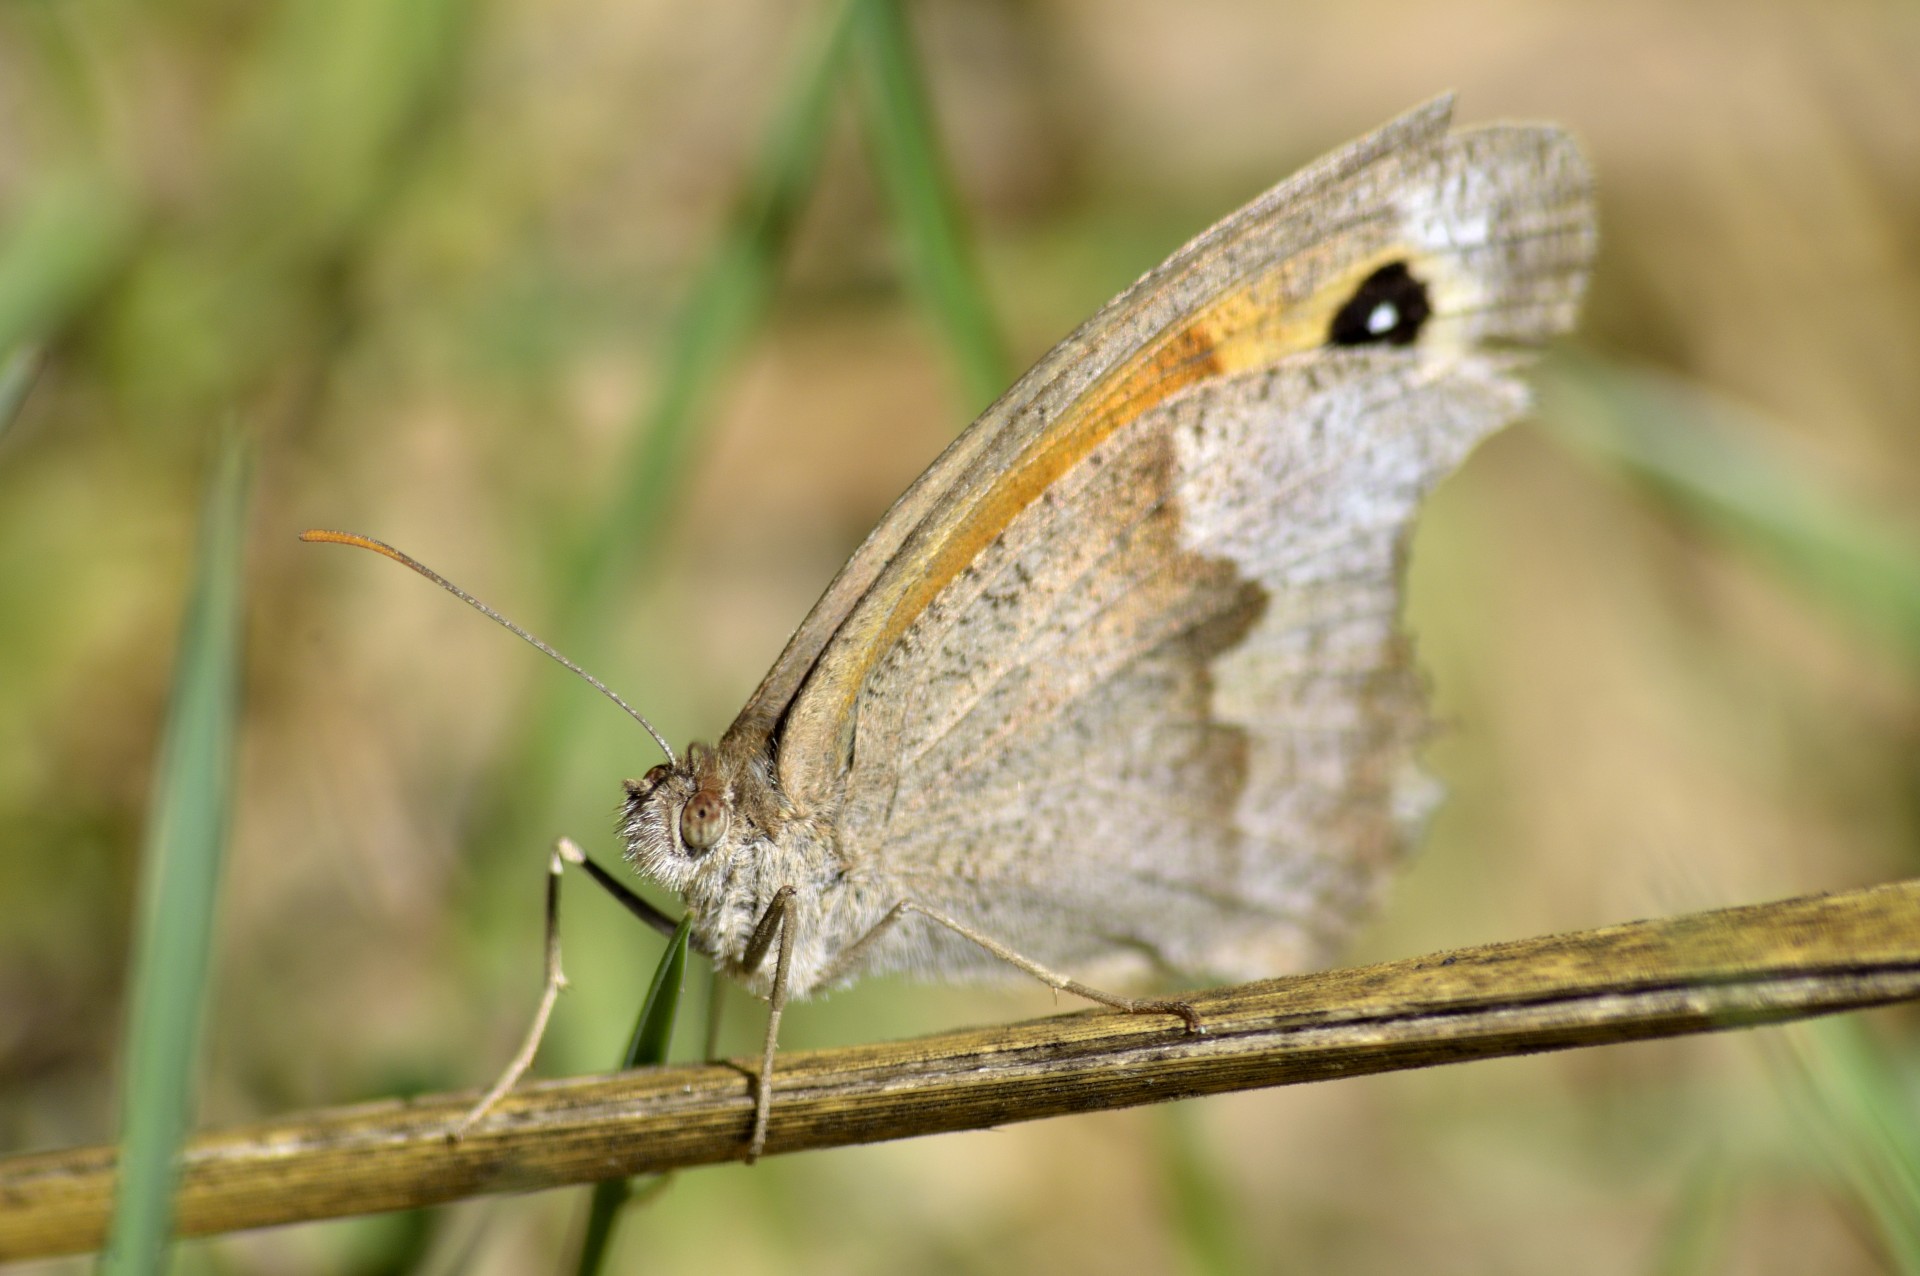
1251 327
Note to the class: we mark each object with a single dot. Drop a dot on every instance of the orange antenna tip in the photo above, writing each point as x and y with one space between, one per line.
321 536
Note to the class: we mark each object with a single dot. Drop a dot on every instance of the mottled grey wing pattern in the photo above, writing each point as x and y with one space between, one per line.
1174 718
1130 688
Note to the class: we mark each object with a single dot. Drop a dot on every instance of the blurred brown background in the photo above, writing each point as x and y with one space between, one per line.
434 254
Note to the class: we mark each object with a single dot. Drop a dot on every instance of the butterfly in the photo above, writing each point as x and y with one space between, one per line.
1118 685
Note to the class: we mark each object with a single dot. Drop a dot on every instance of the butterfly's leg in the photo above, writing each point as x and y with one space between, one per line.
564 852
549 993
1051 978
777 919
848 958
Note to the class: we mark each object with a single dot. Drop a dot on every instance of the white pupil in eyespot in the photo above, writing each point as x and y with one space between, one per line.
1382 320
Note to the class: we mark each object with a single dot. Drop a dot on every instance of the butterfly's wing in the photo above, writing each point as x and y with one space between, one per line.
1120 676
1051 392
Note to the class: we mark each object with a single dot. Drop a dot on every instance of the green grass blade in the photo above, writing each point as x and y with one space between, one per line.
727 302
652 1038
1693 1240
1861 1114
180 873
909 158
1698 454
653 1032
1200 1208
338 113
16 378
72 233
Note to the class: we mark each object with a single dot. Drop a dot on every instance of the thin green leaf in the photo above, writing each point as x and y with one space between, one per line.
1698 453
1201 1211
335 112
72 233
652 1038
911 163
653 1032
1693 1240
180 875
727 302
1861 1117
16 378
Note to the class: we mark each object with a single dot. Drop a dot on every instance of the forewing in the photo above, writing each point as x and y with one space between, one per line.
1108 350
1132 686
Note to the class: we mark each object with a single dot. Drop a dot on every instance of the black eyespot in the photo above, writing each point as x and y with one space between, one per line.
1388 308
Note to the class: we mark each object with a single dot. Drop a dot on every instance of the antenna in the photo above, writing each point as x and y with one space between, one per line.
318 536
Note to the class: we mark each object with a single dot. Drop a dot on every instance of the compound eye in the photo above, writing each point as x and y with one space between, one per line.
703 820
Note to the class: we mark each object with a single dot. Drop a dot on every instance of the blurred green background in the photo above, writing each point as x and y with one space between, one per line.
564 299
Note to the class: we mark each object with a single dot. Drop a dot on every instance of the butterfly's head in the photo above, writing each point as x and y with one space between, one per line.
680 822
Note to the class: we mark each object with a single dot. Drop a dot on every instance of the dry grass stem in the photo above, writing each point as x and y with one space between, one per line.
1702 972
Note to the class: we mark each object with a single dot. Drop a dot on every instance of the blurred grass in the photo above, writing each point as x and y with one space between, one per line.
1859 1111
726 302
180 883
58 249
908 155
1705 459
1694 1240
17 371
1203 1213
